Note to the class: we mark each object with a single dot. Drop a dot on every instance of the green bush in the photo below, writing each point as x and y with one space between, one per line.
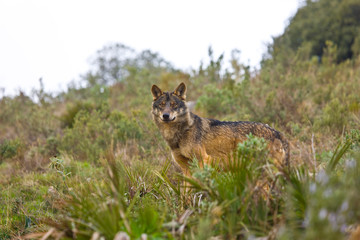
215 102
88 137
96 130
9 149
124 127
68 118
334 116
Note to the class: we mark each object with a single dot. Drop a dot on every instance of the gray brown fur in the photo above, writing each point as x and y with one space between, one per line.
189 135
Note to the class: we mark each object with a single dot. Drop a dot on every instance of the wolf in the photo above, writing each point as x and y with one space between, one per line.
190 136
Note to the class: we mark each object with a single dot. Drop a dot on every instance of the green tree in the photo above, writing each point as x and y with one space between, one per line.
115 62
316 22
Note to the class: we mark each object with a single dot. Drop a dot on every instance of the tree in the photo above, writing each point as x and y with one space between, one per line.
319 21
113 62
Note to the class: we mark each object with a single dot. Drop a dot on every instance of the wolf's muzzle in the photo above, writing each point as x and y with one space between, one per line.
166 117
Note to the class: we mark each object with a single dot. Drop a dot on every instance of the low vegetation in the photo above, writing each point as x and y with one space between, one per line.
89 163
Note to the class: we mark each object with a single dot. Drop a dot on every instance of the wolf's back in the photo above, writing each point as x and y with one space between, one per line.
270 134
243 128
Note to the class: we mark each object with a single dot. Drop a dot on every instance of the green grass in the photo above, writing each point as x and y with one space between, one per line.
250 197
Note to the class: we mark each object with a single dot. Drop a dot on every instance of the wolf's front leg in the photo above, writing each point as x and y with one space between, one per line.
183 162
201 155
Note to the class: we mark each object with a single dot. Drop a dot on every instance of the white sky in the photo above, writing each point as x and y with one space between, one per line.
54 39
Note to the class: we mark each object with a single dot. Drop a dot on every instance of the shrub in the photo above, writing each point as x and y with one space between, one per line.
94 131
68 118
9 149
334 116
89 136
215 102
124 127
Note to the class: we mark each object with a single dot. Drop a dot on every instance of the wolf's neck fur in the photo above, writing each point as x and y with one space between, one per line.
174 131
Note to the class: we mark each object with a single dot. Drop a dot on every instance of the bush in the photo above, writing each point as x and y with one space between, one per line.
9 149
68 118
334 116
124 127
89 136
96 130
215 102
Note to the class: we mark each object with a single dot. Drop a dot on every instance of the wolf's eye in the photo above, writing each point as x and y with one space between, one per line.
162 104
173 104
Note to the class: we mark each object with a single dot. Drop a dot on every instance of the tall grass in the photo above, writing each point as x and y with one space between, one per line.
246 198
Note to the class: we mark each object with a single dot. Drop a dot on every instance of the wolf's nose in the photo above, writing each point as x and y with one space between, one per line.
166 116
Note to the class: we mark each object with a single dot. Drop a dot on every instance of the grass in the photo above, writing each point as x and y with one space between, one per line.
250 198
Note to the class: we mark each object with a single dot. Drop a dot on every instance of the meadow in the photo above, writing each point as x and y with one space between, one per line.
89 163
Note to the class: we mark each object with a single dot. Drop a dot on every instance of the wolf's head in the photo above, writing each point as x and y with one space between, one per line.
169 106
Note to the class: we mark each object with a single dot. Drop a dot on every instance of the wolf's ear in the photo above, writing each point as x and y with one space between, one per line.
180 91
156 92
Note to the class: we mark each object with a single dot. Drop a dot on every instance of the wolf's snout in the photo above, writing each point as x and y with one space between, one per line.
166 116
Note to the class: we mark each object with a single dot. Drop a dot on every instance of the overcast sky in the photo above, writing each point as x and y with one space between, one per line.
53 40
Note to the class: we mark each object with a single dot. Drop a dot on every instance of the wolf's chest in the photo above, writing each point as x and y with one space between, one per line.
168 133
